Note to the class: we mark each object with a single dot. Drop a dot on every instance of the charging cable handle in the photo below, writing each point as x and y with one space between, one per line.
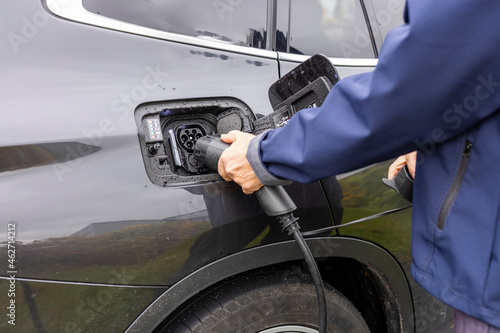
273 199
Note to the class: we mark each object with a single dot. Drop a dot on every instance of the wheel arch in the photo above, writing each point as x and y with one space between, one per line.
381 265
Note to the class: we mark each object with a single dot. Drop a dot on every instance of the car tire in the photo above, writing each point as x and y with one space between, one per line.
272 302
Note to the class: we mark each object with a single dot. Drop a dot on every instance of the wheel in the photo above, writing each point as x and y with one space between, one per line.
272 302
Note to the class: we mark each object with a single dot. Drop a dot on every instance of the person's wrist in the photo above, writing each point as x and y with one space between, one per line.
255 161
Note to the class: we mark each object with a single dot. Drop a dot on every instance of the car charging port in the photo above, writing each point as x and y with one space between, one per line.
188 135
180 134
168 132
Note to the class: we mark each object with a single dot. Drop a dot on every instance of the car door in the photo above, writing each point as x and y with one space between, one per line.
95 232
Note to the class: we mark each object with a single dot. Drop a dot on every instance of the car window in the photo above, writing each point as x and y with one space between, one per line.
389 14
239 22
336 28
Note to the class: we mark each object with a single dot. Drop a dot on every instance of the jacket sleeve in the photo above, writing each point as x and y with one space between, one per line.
437 76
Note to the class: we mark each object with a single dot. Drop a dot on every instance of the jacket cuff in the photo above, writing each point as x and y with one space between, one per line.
253 157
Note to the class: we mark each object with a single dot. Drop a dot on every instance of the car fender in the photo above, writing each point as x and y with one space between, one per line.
321 247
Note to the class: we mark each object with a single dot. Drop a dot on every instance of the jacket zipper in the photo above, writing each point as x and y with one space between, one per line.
455 186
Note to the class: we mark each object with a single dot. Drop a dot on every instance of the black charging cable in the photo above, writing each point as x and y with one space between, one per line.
276 202
291 227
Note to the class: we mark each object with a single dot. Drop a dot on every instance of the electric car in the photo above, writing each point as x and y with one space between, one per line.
110 223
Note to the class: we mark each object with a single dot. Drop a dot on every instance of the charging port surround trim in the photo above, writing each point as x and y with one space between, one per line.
168 130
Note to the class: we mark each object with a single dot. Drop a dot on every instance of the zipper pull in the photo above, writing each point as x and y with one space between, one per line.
467 149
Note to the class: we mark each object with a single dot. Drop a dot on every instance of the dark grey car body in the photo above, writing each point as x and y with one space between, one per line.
99 246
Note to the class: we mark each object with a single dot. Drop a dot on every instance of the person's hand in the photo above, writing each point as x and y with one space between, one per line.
409 159
233 164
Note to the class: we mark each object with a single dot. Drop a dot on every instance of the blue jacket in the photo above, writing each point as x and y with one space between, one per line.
436 89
